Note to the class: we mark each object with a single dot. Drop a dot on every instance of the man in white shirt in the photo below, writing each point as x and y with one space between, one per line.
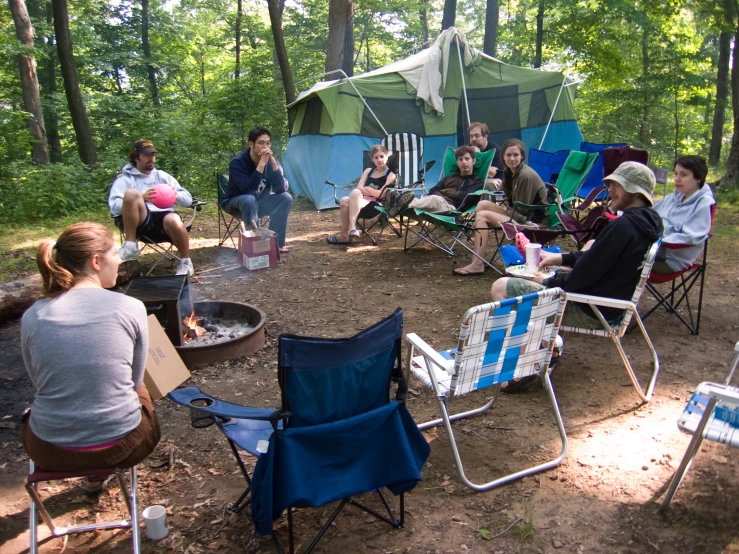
130 198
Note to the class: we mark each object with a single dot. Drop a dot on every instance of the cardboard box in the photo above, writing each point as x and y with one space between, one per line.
165 370
258 249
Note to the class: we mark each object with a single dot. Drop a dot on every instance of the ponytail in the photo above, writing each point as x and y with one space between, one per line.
63 262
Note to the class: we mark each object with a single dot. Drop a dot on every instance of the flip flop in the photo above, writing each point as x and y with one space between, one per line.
354 234
334 240
284 250
462 272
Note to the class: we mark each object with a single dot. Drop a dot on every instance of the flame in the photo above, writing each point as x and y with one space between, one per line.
192 323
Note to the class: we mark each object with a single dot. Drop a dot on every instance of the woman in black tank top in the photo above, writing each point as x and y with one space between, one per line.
371 188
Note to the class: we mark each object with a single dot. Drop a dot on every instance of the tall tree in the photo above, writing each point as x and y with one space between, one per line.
722 82
340 22
450 13
492 16
239 17
731 177
276 8
644 125
29 82
77 108
150 69
423 16
539 33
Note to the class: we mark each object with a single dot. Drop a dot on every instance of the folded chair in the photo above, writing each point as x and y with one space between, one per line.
681 283
712 413
586 220
498 342
37 475
616 328
446 231
338 434
614 156
165 250
409 149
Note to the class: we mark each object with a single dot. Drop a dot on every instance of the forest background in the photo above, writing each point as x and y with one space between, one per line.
195 75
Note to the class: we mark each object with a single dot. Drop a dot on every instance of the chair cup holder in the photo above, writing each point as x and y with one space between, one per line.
198 418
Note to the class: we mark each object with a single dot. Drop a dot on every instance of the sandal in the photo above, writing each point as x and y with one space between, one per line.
95 486
354 234
334 240
464 272
284 250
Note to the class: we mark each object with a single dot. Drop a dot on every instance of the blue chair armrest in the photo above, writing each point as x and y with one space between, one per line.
220 408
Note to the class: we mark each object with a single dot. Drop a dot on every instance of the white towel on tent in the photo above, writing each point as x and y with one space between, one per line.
429 78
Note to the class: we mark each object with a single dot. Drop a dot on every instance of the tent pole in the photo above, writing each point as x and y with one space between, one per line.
464 83
341 71
564 80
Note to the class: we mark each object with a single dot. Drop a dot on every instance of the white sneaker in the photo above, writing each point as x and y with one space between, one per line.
185 267
128 252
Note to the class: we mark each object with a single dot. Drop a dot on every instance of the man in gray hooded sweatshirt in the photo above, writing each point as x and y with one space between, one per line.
130 198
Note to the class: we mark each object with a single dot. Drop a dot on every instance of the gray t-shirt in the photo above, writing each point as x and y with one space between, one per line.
85 352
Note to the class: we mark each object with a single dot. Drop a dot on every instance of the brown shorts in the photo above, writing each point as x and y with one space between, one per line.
127 452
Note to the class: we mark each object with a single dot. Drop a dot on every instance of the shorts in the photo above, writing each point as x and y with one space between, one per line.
576 315
152 228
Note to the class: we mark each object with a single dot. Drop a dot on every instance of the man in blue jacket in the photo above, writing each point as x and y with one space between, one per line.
257 187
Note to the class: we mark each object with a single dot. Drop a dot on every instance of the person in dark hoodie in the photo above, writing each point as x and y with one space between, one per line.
611 267
257 187
449 194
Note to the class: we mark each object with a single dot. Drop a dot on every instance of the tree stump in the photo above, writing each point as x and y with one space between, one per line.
17 296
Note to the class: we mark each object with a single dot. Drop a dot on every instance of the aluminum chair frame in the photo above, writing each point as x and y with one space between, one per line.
235 222
468 357
37 506
615 330
705 427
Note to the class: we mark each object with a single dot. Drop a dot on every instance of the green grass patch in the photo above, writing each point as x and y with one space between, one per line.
19 242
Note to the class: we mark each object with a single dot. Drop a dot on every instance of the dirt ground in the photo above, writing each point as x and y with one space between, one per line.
602 499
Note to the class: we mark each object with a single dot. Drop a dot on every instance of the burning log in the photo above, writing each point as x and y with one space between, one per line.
17 296
193 329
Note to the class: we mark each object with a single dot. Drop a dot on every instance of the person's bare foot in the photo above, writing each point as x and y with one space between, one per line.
471 269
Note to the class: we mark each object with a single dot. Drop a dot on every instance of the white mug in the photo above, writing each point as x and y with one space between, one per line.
533 256
155 518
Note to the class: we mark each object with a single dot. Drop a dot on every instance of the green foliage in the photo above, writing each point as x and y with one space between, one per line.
640 60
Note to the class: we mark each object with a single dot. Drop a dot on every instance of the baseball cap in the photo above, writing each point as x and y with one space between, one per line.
635 178
143 146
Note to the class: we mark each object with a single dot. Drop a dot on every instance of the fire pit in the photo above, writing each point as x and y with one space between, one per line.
232 329
212 332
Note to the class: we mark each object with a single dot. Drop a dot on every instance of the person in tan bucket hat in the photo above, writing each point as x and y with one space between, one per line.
612 265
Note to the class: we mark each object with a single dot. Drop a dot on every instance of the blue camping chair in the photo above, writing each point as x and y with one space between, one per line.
595 177
547 165
337 435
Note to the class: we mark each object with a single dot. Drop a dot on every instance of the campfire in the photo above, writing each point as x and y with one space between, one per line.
205 330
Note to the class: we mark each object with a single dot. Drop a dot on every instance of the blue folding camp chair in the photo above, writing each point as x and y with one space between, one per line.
547 164
595 177
337 435
498 342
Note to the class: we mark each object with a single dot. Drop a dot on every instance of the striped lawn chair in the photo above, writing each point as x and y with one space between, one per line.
617 328
713 414
410 157
498 342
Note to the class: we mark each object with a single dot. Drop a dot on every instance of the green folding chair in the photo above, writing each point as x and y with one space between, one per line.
446 231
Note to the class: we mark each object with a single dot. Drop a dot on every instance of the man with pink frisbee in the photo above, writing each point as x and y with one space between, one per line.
144 197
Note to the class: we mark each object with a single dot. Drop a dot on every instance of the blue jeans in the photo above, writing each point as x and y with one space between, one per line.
276 206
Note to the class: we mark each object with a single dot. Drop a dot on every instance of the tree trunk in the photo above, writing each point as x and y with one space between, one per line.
276 8
731 177
77 108
48 84
340 22
423 15
539 34
450 11
492 16
147 53
722 95
17 296
644 126
29 82
239 17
